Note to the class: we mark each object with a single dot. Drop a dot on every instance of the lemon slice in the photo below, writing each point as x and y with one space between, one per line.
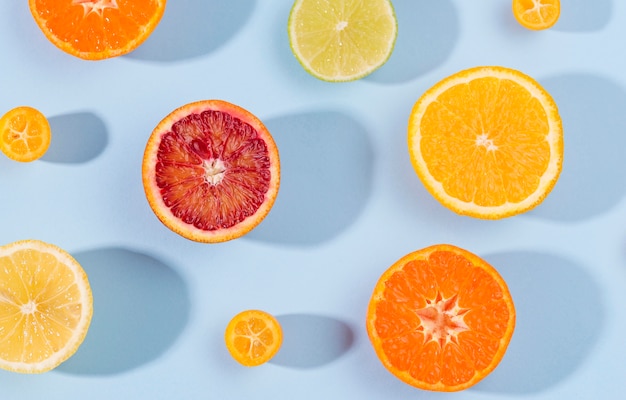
45 306
342 40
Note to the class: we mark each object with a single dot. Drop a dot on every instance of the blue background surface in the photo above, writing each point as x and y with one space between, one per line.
349 206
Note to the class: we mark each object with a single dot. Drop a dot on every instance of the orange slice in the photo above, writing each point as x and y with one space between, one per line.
97 29
487 142
24 134
253 337
537 14
211 171
45 306
440 318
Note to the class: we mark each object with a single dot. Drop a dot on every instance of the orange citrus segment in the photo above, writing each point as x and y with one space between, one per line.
97 29
537 14
440 318
253 337
45 306
487 142
24 134
211 171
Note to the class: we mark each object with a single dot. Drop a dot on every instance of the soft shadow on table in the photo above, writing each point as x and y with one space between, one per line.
584 15
193 28
311 341
560 316
141 307
427 33
592 179
76 138
326 177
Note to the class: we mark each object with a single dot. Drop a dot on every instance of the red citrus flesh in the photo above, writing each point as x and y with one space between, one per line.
211 171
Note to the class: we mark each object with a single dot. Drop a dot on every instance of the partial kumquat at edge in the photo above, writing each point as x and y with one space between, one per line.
537 14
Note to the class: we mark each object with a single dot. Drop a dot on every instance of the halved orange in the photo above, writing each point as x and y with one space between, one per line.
537 14
253 337
45 306
487 142
24 134
211 171
97 29
440 318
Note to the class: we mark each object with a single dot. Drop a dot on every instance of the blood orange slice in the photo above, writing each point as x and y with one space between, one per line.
211 171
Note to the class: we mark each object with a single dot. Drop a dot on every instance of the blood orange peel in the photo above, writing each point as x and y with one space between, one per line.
211 171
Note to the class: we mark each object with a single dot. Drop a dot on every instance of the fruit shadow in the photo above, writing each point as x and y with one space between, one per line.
584 15
592 178
560 316
427 34
141 306
326 177
193 28
76 138
311 341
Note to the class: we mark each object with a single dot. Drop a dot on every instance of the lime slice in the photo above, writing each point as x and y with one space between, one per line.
342 40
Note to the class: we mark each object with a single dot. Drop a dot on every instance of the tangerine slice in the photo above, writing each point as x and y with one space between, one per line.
24 134
211 171
536 14
97 29
487 142
253 337
440 318
46 306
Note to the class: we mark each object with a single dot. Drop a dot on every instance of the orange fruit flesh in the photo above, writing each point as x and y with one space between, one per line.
516 125
24 134
253 337
96 29
537 14
440 320
213 170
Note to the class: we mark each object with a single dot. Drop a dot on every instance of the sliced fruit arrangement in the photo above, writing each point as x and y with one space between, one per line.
440 318
24 134
537 14
342 40
253 337
487 142
45 306
97 29
211 171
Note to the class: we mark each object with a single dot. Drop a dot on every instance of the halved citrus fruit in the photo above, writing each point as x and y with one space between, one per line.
487 142
253 337
440 318
97 29
342 40
211 171
45 306
537 14
24 134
